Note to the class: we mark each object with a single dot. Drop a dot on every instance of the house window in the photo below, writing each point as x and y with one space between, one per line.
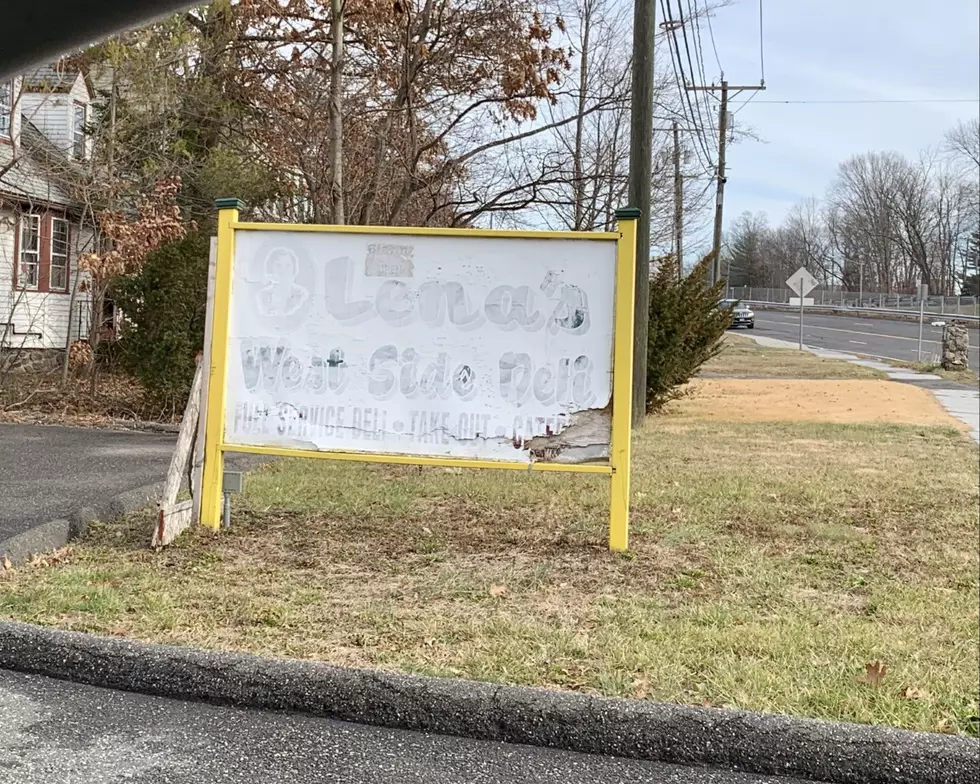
78 131
6 107
30 251
58 280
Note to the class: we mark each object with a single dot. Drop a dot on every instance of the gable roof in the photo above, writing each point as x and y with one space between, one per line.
56 77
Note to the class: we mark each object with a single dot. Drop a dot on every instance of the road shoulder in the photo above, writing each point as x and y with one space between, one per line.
672 734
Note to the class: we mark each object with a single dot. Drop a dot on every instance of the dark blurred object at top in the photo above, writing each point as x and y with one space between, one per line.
37 32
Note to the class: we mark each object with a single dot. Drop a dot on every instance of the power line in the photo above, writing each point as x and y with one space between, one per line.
698 100
668 25
880 100
696 119
711 32
746 102
700 149
699 50
692 13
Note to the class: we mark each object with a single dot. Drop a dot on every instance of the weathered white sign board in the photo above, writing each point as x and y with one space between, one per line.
479 347
802 282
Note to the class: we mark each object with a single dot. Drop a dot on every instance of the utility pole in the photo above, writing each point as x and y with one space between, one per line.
678 204
720 188
721 176
641 165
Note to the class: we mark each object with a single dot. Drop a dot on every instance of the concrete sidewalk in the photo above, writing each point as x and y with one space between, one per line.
961 401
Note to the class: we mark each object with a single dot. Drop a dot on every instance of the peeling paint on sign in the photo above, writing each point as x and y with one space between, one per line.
490 348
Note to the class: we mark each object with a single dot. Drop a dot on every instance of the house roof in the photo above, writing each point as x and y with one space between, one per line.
55 78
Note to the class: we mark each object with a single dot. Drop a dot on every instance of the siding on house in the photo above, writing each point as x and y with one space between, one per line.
39 319
40 152
52 112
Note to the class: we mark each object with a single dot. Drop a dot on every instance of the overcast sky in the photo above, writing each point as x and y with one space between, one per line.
839 50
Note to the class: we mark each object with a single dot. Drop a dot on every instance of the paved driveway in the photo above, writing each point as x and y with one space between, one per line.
57 731
51 472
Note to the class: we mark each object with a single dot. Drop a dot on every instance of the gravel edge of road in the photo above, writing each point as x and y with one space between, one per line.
835 753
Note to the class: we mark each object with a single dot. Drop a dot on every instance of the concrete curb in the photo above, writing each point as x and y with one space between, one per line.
55 534
822 751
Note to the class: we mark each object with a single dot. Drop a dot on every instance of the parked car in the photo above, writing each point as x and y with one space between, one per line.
742 315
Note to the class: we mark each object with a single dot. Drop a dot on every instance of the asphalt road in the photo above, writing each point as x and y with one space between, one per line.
48 473
874 336
55 732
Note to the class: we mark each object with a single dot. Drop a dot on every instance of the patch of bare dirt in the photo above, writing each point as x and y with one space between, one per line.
834 401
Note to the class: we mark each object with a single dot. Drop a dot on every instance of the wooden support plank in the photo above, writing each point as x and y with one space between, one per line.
169 523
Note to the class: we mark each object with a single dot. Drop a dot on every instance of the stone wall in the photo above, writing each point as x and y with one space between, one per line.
30 360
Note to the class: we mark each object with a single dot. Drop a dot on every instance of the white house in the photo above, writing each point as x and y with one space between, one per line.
43 147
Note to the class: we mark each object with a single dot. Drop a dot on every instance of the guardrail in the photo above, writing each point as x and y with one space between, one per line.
907 315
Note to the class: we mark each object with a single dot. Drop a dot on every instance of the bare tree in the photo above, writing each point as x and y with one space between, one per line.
963 141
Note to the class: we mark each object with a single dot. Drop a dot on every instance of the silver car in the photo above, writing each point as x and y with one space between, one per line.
742 315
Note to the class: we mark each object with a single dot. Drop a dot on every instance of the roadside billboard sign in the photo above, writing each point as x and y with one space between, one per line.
455 347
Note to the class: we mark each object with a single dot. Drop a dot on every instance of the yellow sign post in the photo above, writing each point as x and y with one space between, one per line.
618 465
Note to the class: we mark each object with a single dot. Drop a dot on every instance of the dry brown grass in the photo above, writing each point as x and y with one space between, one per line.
826 400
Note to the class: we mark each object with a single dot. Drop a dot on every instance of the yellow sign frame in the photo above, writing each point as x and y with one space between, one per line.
618 467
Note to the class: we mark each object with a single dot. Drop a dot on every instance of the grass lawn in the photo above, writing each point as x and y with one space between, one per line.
743 357
771 564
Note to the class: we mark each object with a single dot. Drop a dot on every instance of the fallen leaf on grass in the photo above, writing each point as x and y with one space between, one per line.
50 559
639 687
913 693
498 590
6 564
874 673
